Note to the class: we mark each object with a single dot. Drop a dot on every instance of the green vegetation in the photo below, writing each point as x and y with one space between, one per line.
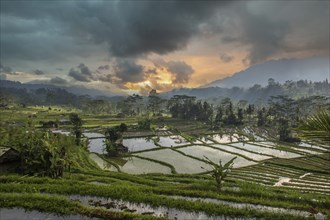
316 127
77 124
56 172
114 138
41 153
219 172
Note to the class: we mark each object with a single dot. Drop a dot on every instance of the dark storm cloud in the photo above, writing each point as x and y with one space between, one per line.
84 69
57 30
78 76
180 70
33 28
5 69
159 27
152 71
104 67
38 72
226 57
58 80
81 73
266 37
128 71
270 28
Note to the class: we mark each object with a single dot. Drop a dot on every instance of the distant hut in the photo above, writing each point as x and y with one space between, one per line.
9 159
64 122
120 147
49 124
3 105
8 154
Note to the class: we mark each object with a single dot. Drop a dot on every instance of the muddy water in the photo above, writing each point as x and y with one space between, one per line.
102 163
172 141
225 138
247 206
61 132
95 145
170 213
215 155
137 144
21 214
265 150
181 163
254 156
136 165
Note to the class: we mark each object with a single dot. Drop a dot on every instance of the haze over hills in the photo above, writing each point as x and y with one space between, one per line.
33 85
311 69
315 69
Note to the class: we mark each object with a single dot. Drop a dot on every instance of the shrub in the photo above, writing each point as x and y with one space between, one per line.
41 153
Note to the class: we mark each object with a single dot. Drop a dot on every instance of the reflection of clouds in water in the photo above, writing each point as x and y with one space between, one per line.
137 144
95 145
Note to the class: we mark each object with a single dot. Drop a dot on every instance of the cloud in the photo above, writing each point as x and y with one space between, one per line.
78 76
226 57
62 32
264 36
5 69
58 80
126 70
181 71
146 27
3 76
81 73
104 67
38 72
32 29
152 71
269 29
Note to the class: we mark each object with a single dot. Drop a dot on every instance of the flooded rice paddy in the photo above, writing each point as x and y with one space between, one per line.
247 153
253 156
215 155
181 163
265 150
172 141
134 165
138 144
145 209
96 145
102 163
21 214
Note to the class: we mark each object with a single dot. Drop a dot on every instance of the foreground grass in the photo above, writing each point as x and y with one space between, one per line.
157 190
61 206
141 189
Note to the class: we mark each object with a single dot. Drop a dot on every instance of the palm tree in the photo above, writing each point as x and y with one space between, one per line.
316 127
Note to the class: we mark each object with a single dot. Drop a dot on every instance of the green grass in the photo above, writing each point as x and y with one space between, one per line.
51 195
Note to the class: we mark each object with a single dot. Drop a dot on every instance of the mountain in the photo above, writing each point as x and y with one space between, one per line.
311 69
33 85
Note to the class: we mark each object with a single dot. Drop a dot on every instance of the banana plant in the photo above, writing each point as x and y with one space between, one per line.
219 172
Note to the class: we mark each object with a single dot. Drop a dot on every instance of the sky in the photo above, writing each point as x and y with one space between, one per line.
135 46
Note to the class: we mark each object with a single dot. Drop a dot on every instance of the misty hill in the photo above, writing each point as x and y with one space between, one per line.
34 85
311 69
257 93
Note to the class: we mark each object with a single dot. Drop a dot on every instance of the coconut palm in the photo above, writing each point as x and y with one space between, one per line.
316 127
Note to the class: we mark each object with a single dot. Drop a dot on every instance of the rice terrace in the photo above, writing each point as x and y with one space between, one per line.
165 172
180 110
